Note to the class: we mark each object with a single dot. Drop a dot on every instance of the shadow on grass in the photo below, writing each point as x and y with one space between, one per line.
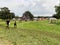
2 25
58 23
5 27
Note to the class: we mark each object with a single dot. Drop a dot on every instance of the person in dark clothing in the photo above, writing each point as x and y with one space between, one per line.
8 22
15 25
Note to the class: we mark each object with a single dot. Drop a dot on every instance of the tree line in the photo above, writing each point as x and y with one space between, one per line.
6 14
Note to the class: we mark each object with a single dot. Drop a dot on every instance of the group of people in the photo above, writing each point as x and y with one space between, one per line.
8 23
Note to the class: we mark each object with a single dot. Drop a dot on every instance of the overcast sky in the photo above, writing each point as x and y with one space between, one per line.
36 7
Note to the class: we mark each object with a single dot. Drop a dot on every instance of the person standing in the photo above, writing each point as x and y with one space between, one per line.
7 22
15 24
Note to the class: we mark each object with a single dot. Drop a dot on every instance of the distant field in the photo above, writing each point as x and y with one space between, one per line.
30 33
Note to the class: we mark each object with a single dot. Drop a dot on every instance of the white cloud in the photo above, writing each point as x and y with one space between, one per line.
50 4
37 7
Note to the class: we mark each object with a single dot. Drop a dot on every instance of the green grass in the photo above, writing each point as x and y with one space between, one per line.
31 33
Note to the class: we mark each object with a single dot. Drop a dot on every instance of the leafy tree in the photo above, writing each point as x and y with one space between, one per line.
27 15
57 10
6 14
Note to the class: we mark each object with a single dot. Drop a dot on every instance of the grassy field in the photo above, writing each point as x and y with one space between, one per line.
30 33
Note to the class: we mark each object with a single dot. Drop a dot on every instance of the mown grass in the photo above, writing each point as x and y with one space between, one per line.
31 33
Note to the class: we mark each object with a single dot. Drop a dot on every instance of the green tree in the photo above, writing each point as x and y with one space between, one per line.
28 15
6 14
57 10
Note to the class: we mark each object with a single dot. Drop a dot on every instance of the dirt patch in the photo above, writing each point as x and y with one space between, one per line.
5 42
